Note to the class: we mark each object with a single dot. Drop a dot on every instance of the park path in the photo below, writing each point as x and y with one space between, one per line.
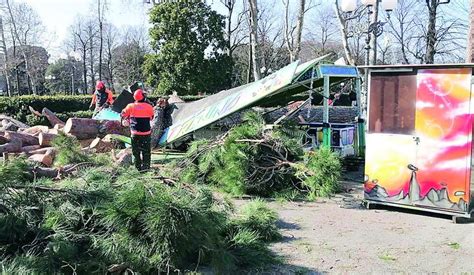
337 235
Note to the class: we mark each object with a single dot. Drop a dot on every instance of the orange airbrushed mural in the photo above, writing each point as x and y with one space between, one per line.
430 166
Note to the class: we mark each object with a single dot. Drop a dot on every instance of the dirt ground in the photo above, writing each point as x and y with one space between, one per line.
338 235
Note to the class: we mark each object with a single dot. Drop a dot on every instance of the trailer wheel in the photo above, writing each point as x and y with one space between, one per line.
462 220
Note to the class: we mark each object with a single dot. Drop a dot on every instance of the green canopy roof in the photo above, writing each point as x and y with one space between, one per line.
276 87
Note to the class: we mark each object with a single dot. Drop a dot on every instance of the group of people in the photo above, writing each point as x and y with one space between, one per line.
147 123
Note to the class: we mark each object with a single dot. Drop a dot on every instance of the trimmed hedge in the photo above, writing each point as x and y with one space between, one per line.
64 106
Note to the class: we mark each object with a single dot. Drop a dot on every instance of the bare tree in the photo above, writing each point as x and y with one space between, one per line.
80 41
253 23
346 32
402 26
273 55
372 58
234 27
438 30
92 31
323 31
26 29
293 32
129 55
101 8
111 42
5 55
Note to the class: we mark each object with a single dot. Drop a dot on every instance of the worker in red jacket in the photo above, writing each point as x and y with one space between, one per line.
102 97
139 114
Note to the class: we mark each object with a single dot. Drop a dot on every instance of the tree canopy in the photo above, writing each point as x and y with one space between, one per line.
191 49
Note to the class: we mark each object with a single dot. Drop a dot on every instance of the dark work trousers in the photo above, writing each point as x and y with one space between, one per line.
141 149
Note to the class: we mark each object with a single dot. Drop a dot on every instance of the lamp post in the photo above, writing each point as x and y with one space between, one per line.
373 28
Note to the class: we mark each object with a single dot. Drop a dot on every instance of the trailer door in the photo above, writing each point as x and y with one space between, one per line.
443 139
390 141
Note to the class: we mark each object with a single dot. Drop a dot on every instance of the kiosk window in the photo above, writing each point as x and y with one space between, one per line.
392 103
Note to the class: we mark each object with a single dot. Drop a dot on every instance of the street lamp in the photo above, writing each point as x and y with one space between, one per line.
373 28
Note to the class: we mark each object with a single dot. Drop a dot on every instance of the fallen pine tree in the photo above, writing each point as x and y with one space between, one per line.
108 220
252 159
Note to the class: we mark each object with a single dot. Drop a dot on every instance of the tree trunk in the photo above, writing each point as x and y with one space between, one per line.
13 146
46 159
5 66
84 69
230 9
87 128
24 138
373 37
432 6
26 149
254 38
345 36
45 139
22 50
299 29
35 130
101 37
52 118
123 158
3 140
249 70
91 55
18 123
82 128
470 45
38 151
101 146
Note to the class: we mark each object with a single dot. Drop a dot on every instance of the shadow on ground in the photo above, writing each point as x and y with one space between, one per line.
286 269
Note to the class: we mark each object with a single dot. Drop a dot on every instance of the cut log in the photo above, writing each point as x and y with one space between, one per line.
113 127
34 112
124 158
26 139
101 146
58 127
45 159
86 142
13 146
26 149
85 128
10 127
18 123
36 130
3 140
6 157
40 151
82 128
45 139
52 118
43 172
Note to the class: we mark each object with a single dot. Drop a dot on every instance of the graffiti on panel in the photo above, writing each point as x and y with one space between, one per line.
432 167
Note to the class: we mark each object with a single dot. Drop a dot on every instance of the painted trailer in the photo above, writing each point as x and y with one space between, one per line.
419 138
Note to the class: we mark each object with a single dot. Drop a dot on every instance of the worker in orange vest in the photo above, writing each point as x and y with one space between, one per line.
102 97
139 115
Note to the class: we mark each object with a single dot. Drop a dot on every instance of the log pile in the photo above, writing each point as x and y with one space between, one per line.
35 142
